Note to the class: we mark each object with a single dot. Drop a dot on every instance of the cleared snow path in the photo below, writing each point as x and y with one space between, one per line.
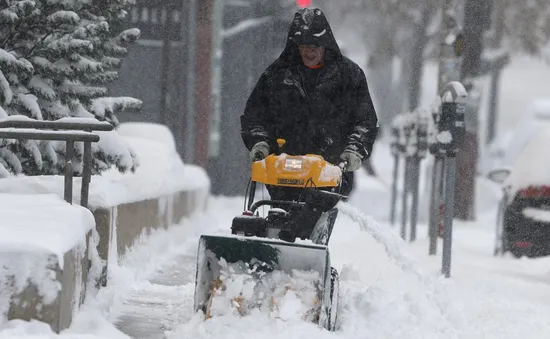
151 291
160 304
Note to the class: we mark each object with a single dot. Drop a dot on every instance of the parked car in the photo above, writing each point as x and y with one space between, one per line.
523 221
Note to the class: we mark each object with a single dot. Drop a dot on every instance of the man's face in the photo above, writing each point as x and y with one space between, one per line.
311 55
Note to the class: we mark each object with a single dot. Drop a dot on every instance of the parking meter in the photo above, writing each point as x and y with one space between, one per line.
451 128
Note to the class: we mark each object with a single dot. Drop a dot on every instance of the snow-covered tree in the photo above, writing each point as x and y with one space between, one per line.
391 30
524 24
56 56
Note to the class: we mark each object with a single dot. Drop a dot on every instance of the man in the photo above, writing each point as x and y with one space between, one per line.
314 98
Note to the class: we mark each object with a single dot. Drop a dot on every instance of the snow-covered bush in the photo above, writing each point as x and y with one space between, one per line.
56 56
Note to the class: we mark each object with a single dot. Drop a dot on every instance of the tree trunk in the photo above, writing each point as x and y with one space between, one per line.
475 12
380 73
417 58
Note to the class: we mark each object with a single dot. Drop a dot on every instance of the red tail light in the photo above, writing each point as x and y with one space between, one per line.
535 192
523 244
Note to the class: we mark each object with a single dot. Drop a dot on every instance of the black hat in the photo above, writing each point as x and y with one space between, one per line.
311 28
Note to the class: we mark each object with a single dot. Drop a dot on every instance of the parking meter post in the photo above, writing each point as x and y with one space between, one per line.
450 179
415 182
435 202
437 174
420 152
499 241
393 202
395 153
451 132
407 146
405 198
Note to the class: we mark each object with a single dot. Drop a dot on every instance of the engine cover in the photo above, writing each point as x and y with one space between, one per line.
250 226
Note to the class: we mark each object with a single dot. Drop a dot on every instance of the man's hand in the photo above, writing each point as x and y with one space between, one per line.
353 160
259 151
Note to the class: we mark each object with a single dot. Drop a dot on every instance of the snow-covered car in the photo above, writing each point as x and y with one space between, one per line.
505 149
523 221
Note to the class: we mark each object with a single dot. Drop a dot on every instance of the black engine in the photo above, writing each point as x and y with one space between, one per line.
286 220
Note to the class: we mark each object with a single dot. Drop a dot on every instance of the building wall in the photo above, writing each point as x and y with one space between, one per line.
156 69
245 56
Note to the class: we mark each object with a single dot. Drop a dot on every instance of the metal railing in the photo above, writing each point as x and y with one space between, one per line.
69 131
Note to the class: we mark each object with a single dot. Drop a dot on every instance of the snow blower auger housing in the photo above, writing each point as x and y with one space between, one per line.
260 265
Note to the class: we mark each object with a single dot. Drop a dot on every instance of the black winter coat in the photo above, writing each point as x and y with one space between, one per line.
337 115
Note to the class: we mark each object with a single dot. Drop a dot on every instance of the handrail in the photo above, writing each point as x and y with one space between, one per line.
32 134
72 124
68 131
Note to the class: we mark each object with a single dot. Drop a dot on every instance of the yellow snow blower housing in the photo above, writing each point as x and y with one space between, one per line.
260 265
296 171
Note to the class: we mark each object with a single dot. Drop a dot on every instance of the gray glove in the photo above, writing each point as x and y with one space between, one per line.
259 151
353 160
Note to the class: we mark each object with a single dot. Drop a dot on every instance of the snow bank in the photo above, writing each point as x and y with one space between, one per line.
161 172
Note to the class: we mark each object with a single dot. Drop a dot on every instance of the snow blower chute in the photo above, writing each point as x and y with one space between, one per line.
261 265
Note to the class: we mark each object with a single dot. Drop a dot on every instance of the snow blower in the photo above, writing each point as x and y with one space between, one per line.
262 265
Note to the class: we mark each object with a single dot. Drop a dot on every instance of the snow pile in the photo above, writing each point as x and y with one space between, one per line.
242 288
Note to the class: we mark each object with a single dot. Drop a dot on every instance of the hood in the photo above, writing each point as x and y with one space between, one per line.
310 27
